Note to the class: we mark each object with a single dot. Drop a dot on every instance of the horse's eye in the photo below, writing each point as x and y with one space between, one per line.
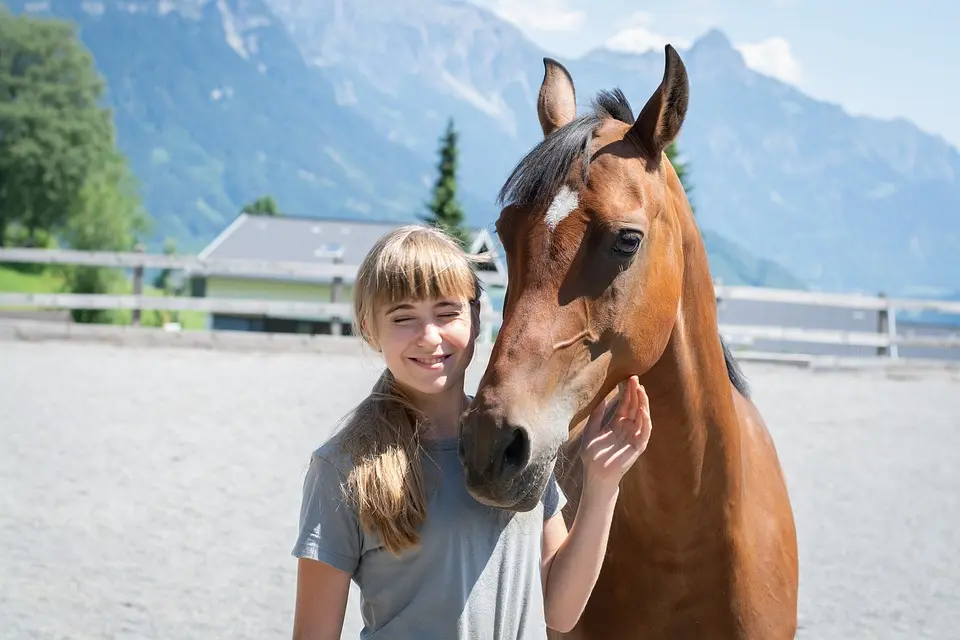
628 242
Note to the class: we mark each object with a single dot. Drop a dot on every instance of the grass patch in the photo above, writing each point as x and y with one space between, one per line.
50 281
12 281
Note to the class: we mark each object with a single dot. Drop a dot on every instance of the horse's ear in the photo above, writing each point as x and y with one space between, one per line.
660 119
557 104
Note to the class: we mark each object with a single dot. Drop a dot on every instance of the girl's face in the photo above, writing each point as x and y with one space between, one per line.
427 344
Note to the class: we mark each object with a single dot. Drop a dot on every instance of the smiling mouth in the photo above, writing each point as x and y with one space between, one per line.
432 360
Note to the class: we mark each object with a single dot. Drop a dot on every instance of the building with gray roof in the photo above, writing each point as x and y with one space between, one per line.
309 240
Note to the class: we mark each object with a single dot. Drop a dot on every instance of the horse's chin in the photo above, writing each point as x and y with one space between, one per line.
522 493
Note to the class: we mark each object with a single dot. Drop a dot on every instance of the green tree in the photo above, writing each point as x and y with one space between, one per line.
165 283
445 211
53 131
682 169
106 216
264 206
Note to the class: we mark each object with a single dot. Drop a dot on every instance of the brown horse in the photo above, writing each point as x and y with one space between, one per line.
608 277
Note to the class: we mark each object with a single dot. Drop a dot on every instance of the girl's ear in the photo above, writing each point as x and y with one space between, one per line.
366 333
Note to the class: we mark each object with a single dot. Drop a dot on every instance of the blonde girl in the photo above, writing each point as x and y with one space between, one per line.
384 501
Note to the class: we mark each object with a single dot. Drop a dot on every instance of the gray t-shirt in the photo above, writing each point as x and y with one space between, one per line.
475 574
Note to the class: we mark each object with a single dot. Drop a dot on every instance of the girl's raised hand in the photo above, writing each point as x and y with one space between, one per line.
609 452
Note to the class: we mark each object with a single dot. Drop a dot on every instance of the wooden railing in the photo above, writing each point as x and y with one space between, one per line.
886 339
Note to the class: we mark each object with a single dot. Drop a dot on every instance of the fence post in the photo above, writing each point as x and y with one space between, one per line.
487 315
887 327
336 290
894 350
137 286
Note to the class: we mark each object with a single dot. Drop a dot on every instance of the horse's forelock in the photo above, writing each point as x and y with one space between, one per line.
540 174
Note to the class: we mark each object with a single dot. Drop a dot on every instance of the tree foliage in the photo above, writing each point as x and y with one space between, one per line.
445 211
106 216
682 169
263 206
62 179
53 131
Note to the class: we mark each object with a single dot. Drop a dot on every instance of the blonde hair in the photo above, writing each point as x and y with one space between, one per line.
382 434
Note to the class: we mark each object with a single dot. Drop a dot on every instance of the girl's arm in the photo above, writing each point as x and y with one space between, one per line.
328 551
321 602
571 561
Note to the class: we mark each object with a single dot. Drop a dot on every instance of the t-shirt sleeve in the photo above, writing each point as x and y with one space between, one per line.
553 498
329 527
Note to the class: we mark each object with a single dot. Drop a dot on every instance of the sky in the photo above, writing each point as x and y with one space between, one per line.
883 58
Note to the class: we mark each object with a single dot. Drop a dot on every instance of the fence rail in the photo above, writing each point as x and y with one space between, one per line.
198 266
835 337
339 310
887 340
838 300
344 313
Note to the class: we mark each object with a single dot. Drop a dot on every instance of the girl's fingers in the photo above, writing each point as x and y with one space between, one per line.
623 408
644 400
631 426
647 422
619 446
643 435
627 395
635 398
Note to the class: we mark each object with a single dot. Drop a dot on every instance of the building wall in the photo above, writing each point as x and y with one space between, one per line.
266 289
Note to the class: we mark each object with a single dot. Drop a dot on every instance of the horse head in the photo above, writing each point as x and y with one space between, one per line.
593 230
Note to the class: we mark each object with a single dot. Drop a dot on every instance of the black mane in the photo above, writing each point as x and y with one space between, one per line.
734 372
541 173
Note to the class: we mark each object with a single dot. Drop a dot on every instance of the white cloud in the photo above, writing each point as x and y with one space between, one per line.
772 57
639 36
539 15
640 39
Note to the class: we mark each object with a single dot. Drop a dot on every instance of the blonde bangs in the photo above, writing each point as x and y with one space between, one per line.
414 262
421 268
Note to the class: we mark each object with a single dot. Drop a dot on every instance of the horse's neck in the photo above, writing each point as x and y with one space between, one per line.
695 436
692 463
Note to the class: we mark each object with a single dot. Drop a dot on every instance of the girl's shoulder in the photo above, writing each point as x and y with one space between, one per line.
331 455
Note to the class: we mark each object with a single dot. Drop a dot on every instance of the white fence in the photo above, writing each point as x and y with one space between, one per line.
886 339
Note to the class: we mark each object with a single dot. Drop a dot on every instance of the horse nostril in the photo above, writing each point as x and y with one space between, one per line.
515 455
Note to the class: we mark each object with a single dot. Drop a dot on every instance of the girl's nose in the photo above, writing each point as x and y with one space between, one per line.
431 334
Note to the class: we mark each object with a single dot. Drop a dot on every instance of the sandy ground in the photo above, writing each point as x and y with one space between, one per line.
154 493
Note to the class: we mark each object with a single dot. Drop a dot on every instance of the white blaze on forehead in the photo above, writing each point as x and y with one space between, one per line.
563 203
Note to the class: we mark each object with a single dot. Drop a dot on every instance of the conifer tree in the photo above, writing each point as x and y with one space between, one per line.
683 171
445 210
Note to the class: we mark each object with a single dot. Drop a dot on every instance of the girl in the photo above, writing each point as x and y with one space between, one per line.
384 501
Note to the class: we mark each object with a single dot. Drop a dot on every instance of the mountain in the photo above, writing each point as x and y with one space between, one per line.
336 107
406 65
214 106
842 202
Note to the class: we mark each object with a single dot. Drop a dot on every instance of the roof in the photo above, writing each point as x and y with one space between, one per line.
311 239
